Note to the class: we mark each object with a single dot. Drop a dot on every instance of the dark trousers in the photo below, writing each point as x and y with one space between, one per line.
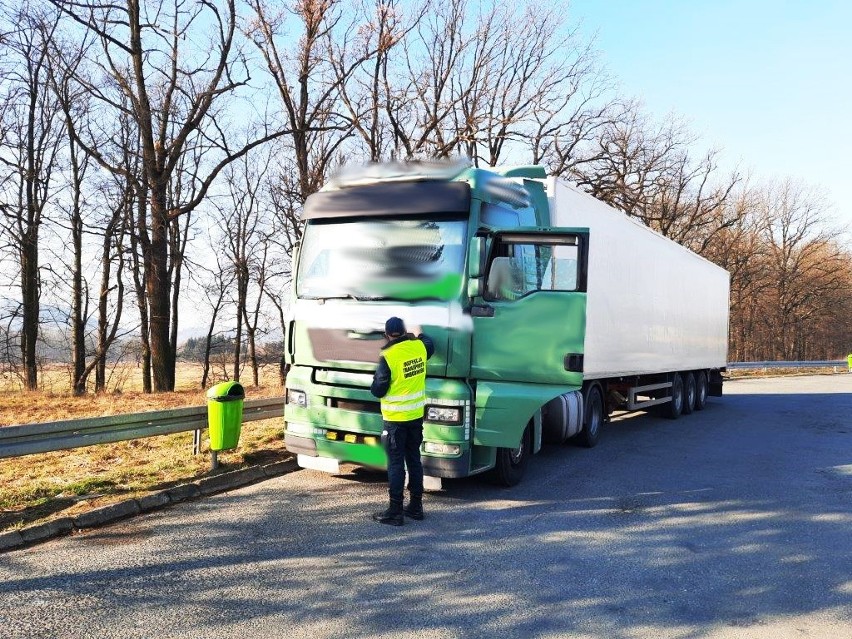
402 443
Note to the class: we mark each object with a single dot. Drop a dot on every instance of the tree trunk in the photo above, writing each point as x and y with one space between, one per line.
78 312
158 288
251 332
139 240
242 284
103 321
30 307
78 320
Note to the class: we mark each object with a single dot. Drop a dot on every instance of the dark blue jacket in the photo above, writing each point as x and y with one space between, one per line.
382 376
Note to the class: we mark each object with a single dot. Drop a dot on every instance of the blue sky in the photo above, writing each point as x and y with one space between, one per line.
768 82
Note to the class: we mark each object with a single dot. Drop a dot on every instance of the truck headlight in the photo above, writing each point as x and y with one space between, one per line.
297 398
444 414
441 449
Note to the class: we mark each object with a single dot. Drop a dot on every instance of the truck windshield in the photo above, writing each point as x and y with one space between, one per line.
382 258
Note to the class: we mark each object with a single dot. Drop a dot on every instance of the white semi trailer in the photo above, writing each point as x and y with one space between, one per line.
656 313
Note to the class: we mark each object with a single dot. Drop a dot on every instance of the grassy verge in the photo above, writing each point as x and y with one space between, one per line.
37 488
737 373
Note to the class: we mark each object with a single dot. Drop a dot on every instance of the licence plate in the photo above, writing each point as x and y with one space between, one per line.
325 464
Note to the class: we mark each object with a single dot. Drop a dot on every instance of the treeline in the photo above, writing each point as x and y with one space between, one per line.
157 152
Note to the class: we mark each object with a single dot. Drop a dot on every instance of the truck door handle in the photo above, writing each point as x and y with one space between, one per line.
481 310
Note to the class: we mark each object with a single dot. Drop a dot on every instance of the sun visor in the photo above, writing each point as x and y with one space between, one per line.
390 199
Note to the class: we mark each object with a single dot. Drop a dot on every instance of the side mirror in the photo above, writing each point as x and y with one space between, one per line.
476 257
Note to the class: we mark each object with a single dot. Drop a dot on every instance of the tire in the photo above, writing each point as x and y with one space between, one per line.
689 393
701 389
512 462
593 419
674 408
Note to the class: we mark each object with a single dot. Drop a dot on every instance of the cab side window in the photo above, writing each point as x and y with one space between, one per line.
521 266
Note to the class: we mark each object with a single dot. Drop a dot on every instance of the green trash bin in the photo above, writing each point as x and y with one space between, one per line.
225 414
849 362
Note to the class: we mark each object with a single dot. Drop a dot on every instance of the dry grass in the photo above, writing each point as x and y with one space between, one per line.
736 373
36 488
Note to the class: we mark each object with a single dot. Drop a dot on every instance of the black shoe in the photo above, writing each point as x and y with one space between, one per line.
414 513
391 517
414 510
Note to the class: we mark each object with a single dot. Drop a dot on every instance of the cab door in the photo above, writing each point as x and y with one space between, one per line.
529 317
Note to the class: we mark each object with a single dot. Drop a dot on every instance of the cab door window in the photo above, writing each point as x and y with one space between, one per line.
523 265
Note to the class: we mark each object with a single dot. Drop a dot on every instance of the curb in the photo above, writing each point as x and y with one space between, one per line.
15 539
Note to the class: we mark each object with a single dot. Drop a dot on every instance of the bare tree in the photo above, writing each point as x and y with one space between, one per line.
740 250
171 62
218 284
66 59
649 172
33 134
806 265
361 62
525 61
309 75
790 278
421 110
254 314
242 220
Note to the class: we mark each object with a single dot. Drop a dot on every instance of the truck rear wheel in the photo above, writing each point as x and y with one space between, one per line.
700 390
512 462
689 393
591 432
674 408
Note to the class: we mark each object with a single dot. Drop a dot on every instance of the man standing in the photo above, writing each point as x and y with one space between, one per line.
400 382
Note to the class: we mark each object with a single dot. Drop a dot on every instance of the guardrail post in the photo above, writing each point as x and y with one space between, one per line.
196 442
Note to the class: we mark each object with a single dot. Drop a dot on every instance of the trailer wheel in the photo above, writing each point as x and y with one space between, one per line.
674 408
591 432
700 390
689 393
512 462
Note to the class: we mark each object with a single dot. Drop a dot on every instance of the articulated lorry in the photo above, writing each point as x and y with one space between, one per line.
549 310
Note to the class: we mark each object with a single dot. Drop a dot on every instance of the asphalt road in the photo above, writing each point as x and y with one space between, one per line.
730 523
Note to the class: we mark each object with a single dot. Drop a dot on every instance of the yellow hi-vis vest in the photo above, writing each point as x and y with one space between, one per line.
406 395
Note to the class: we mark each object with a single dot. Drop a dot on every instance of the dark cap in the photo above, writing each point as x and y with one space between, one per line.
394 327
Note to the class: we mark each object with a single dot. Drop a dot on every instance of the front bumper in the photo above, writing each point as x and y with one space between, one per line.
331 415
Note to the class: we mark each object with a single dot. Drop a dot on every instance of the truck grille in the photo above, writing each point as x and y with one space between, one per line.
354 404
338 345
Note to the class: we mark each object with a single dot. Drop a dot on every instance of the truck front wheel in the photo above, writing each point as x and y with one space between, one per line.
591 432
512 462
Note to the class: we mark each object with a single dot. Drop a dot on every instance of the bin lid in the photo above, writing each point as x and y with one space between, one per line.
226 391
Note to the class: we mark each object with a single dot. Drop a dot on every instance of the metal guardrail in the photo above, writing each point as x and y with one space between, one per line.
751 365
42 438
28 439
